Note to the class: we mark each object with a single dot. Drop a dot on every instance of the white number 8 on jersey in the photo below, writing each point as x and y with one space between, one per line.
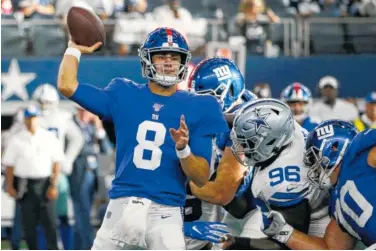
151 145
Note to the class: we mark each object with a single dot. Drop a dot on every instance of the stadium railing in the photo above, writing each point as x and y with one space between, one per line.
351 35
20 34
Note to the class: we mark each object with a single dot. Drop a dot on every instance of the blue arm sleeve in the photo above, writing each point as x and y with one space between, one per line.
93 99
101 102
202 147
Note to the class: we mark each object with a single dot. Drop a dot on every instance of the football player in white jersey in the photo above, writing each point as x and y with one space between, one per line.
60 122
266 137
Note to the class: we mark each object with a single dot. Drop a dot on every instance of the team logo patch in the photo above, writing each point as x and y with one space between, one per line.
157 107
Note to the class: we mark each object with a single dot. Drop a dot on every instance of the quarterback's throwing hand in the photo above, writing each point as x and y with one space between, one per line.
181 135
84 49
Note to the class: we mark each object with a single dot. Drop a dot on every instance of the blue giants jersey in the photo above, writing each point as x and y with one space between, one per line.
146 162
353 201
308 124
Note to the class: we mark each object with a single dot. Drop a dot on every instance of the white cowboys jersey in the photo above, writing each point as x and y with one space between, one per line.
285 183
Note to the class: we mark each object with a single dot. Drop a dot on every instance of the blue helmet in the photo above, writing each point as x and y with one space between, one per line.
159 41
219 77
325 148
248 96
297 92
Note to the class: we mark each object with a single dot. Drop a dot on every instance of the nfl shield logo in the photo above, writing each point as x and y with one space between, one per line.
157 107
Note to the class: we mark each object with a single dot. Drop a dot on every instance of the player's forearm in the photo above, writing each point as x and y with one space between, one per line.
245 243
67 79
55 173
209 192
302 241
196 169
9 176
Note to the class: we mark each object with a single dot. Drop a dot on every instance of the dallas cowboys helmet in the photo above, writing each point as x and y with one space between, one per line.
325 148
261 128
219 77
298 92
46 95
159 41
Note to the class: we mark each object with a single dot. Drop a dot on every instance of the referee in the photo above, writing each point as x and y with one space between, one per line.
33 155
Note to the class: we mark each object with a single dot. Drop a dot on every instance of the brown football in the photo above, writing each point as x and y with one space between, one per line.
85 27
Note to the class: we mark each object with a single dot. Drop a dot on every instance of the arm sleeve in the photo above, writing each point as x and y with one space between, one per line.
101 102
10 154
240 206
75 141
297 216
245 243
202 147
365 139
212 119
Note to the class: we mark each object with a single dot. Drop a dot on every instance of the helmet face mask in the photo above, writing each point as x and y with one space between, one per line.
246 150
220 93
164 41
320 171
260 129
325 147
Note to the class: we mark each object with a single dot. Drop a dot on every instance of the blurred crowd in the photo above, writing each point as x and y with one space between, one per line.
257 22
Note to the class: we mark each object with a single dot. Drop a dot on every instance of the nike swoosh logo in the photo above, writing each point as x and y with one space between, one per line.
290 189
165 216
196 229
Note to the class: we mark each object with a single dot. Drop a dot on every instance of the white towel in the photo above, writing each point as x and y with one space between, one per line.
131 228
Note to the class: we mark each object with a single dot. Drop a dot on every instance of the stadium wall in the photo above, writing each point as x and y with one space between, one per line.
356 74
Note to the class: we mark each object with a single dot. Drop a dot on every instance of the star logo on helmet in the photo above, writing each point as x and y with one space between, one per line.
260 120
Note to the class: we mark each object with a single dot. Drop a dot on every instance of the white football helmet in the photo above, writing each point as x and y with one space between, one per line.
261 128
47 96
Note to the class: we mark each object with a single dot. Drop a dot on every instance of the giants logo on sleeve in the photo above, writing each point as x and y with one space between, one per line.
325 132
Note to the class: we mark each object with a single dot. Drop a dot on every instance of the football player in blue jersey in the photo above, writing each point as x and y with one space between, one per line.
221 78
299 98
344 161
152 164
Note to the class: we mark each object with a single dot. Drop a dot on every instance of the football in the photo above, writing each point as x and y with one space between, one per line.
85 27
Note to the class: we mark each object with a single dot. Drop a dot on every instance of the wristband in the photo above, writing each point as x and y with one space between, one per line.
182 154
73 52
284 235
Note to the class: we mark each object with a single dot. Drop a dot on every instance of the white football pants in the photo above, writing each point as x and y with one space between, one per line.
138 223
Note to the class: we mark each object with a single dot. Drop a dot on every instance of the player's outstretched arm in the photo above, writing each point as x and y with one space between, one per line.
222 190
275 226
334 238
196 167
93 99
